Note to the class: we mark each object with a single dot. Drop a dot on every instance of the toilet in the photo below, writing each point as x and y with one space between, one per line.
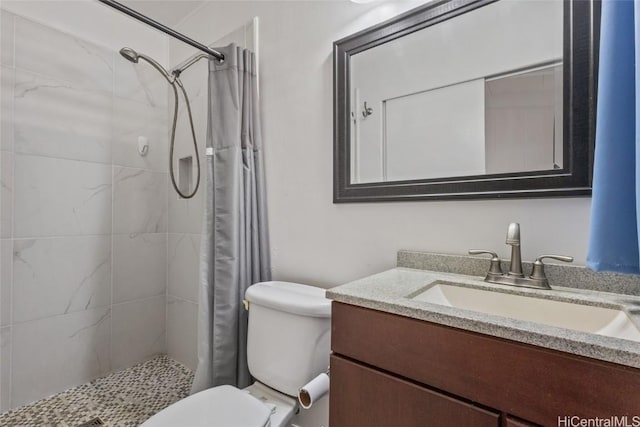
288 344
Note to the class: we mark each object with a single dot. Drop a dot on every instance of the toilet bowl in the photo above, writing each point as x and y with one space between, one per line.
288 343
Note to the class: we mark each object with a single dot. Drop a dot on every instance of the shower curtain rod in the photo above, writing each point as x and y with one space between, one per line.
158 26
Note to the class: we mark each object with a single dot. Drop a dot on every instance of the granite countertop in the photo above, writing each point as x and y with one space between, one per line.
391 292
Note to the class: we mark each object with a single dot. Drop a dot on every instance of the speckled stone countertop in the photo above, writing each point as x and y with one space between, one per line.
391 291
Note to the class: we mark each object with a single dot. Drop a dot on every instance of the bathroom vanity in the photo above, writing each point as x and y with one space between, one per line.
401 359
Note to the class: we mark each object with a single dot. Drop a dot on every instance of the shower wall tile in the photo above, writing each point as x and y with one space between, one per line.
196 80
6 106
138 331
133 119
58 119
185 224
182 331
53 354
83 217
5 368
63 56
6 256
63 275
139 201
184 266
56 197
184 139
185 215
141 82
139 266
6 193
6 37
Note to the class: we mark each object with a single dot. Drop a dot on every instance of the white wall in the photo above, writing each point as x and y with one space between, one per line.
315 241
93 22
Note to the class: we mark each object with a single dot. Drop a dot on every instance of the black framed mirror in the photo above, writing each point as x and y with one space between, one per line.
468 99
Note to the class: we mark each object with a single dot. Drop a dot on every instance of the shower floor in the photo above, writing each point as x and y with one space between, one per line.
124 398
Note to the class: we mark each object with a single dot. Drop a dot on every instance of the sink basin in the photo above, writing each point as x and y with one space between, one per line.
578 317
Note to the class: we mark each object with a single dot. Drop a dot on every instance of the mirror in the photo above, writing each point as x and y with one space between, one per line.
467 99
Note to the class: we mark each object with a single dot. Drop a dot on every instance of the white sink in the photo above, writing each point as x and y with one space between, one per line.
578 317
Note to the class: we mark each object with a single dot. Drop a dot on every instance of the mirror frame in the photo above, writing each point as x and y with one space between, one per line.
580 58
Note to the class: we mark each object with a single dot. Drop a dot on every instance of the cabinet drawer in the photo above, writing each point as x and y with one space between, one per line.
361 396
529 382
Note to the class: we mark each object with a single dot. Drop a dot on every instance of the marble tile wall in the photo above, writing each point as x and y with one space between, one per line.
84 218
185 222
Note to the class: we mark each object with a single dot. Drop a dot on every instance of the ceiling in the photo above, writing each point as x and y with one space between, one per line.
167 12
171 12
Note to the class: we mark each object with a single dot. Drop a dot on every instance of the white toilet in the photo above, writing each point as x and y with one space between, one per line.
288 344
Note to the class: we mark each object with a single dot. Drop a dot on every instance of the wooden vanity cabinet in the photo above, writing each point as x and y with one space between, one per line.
391 370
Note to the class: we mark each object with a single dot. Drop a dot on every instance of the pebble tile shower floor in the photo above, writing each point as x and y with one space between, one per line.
122 399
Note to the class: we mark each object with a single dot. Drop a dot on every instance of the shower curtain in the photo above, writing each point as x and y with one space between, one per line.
615 207
235 247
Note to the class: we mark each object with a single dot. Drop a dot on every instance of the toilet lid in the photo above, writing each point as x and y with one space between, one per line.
223 406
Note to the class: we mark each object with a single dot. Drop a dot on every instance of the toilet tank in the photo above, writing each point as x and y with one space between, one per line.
289 334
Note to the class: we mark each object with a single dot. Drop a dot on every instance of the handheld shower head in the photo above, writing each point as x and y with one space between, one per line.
129 54
133 56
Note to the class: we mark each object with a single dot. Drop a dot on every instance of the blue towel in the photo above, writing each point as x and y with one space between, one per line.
613 242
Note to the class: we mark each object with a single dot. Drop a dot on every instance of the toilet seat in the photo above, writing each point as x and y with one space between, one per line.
222 406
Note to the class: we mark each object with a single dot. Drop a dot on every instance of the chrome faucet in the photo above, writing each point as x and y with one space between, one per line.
515 276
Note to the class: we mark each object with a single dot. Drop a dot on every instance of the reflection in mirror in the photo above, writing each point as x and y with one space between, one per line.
475 95
523 121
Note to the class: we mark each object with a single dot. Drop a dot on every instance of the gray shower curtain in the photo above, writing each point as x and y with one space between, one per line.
235 247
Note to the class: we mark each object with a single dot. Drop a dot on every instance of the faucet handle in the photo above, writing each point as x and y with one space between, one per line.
494 269
557 257
537 272
482 251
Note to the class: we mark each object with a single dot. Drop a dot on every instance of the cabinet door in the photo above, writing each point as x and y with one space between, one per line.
361 396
